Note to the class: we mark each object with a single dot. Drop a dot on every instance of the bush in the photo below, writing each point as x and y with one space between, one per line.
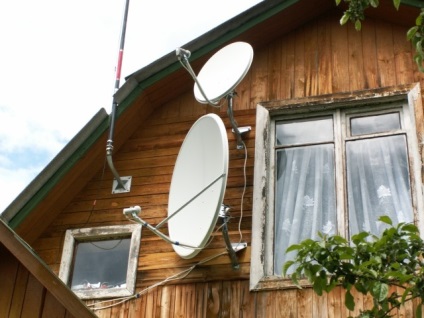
368 263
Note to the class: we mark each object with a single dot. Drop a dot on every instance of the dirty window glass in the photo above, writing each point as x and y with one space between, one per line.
100 264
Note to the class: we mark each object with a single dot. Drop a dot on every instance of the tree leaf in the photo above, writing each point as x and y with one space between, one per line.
318 286
358 25
338 2
419 48
405 294
385 219
411 33
419 20
286 266
380 291
410 228
360 237
418 312
349 301
374 3
344 18
396 4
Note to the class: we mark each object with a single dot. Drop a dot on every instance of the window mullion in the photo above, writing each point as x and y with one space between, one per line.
339 160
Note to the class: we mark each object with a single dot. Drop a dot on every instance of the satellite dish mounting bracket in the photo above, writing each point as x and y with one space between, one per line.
237 130
132 213
232 248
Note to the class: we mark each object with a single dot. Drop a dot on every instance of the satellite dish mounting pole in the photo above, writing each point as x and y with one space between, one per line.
237 130
120 184
232 248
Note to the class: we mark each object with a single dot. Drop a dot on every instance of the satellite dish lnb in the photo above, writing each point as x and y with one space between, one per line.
223 72
198 185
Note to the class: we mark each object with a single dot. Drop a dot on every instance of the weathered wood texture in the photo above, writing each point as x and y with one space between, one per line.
23 295
233 299
318 58
28 287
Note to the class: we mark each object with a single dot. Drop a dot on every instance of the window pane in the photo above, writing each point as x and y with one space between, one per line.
304 131
378 183
305 202
374 124
100 264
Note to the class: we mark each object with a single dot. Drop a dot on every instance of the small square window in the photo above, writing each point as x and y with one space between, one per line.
101 262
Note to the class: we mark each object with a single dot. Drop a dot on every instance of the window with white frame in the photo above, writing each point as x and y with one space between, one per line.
332 167
101 262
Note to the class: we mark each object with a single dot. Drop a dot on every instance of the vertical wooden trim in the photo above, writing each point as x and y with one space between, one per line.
415 139
67 254
260 196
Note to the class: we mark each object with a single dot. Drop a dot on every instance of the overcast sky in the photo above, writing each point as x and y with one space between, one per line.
57 67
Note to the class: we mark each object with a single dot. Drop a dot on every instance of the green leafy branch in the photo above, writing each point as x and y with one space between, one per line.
368 263
355 14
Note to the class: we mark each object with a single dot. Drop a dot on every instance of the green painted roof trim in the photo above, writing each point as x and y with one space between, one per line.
206 49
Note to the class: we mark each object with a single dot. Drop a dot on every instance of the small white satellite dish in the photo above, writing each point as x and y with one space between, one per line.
223 72
198 185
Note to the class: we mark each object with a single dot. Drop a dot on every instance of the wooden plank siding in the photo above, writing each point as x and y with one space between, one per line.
320 57
24 294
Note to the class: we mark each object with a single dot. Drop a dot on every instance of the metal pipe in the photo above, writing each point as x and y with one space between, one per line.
240 144
132 214
109 144
188 202
232 253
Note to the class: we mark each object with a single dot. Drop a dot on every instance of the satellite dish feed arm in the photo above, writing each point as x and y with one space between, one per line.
183 56
131 213
188 202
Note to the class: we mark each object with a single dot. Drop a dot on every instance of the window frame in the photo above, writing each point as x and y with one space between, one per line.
73 236
261 272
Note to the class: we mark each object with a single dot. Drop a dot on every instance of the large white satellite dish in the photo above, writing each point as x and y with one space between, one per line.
198 183
223 72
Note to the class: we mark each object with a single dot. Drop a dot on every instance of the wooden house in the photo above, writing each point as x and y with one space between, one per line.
308 73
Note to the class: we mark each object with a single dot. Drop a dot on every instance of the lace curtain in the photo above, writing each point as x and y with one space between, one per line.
305 199
378 183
